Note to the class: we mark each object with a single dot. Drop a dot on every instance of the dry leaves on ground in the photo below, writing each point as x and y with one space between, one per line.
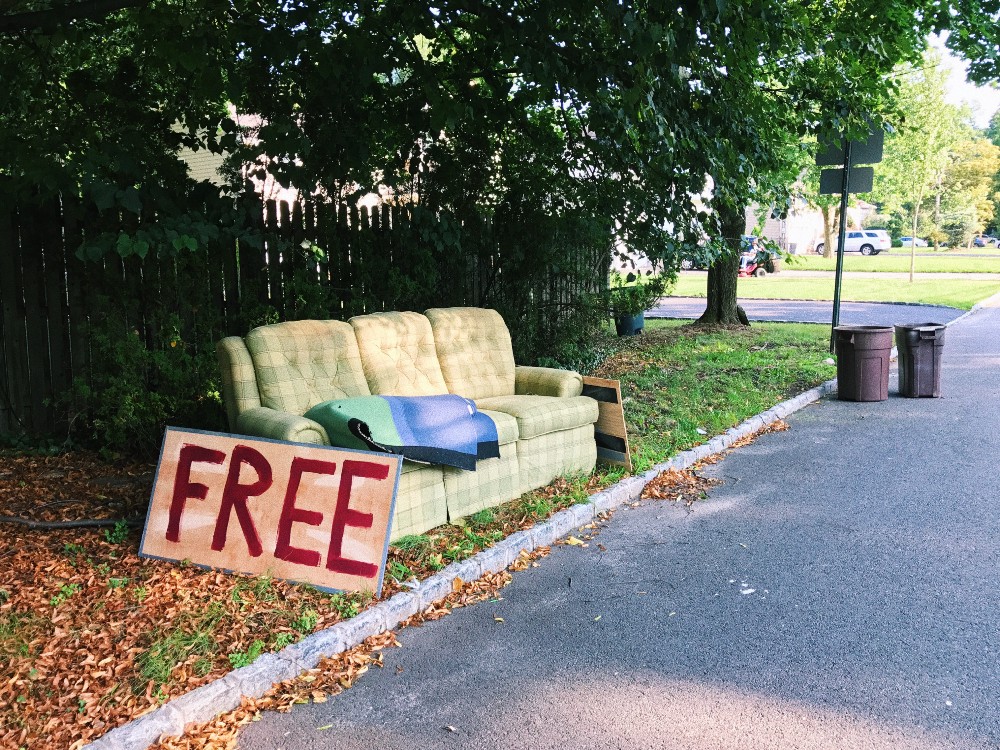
92 635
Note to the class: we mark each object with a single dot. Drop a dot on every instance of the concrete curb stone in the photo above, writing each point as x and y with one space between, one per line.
208 701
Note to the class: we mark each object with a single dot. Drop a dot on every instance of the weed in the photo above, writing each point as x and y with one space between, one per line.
118 534
239 659
284 639
414 543
65 592
538 507
4 595
306 621
399 571
262 588
202 666
117 583
348 605
140 593
73 550
484 517
18 631
167 652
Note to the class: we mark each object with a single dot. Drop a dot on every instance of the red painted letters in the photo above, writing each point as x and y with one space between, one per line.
313 514
345 516
185 488
235 496
290 514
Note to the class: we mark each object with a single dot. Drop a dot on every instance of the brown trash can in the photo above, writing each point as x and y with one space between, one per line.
863 354
920 347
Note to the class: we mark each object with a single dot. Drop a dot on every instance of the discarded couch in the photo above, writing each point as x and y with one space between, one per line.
545 428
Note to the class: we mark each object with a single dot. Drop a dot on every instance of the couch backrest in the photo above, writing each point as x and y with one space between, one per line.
474 349
398 354
302 363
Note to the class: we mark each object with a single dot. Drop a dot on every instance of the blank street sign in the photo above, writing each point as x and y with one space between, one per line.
831 181
862 152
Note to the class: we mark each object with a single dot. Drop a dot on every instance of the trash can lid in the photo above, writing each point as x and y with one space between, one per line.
863 329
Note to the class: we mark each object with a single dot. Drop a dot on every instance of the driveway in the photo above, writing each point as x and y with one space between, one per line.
807 311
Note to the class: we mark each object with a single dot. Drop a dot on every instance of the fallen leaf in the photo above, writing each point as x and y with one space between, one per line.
574 542
497 619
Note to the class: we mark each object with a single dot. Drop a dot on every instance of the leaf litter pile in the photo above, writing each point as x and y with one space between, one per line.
92 635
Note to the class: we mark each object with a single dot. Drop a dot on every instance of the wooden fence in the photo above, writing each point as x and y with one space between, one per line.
305 261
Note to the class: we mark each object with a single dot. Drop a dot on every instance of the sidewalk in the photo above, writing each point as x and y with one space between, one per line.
839 590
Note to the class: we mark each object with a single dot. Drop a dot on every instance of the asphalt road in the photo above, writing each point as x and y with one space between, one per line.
838 591
806 311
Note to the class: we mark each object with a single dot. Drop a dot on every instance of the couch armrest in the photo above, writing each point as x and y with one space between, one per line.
280 425
239 379
546 381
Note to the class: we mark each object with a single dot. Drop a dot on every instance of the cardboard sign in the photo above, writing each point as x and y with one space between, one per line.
610 431
305 513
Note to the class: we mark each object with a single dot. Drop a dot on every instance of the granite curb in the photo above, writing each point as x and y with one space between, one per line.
226 693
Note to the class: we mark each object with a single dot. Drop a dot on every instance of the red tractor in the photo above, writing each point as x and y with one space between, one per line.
750 267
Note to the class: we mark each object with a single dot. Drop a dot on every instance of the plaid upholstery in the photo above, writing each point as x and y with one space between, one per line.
474 349
398 354
506 426
239 380
542 459
282 370
420 503
302 363
540 415
547 381
494 481
280 425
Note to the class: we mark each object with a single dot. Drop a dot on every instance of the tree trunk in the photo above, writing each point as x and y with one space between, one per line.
913 238
721 308
829 219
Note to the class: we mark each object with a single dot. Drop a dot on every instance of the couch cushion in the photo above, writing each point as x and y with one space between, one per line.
305 362
540 415
398 354
473 347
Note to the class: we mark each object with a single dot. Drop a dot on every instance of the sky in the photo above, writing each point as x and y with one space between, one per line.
984 101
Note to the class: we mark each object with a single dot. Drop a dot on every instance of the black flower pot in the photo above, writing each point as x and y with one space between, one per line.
629 325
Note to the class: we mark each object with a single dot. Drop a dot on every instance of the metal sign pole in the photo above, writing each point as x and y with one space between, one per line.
841 239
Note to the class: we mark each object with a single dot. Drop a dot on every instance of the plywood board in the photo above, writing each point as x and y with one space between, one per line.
305 513
610 431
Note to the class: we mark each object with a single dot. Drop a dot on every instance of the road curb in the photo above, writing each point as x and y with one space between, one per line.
226 693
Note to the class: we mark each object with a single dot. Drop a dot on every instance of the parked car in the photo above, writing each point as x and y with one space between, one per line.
915 241
866 242
689 264
984 241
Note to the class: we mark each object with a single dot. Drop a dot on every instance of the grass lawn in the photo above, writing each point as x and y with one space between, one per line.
898 262
960 293
91 635
677 380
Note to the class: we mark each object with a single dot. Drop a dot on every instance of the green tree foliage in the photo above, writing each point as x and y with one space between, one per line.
967 194
614 111
918 154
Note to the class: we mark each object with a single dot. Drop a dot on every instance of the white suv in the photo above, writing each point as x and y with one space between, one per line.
867 242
